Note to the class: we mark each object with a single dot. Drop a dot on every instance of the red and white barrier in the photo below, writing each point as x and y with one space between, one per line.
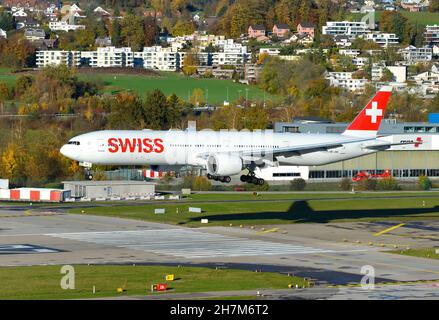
34 194
151 174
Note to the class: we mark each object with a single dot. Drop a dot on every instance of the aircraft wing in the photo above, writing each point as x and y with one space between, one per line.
293 150
386 145
304 149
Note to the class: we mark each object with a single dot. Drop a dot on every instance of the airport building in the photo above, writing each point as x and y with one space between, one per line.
109 189
406 162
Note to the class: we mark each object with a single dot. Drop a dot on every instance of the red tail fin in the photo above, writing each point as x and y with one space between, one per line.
369 119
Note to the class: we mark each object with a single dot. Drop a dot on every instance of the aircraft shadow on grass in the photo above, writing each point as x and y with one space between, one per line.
301 211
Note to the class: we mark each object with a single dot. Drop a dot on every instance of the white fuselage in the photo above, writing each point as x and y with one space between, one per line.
167 148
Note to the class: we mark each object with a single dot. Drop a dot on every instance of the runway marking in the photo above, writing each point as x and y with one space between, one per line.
188 244
268 231
389 229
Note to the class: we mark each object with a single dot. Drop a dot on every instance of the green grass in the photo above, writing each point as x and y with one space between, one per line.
422 18
7 76
429 253
302 195
215 90
278 211
43 282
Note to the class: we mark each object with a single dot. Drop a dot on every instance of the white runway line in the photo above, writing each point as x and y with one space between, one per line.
188 243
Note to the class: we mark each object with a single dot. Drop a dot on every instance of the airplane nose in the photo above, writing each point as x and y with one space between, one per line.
65 151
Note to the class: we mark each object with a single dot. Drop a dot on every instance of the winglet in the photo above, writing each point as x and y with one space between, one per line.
367 122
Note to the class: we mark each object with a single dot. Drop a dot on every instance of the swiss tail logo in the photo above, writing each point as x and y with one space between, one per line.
369 119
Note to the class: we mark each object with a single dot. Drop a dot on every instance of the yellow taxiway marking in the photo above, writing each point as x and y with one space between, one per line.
269 230
389 229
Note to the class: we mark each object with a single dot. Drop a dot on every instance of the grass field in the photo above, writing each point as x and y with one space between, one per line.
422 18
280 211
420 253
43 282
215 90
6 76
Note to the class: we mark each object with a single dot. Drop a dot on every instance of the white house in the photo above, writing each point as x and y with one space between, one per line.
64 26
346 81
383 39
351 29
58 57
109 57
411 54
159 58
20 13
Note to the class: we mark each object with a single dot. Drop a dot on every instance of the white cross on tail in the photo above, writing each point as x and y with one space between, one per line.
374 112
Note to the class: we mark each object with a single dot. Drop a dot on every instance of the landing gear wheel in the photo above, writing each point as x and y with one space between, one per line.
215 178
227 179
88 175
209 176
253 180
260 182
244 178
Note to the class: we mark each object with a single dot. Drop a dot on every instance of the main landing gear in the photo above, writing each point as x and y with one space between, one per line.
225 179
251 178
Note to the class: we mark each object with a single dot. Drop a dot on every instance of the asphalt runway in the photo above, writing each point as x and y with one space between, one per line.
332 253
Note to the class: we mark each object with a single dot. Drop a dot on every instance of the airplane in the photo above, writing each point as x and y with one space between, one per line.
228 152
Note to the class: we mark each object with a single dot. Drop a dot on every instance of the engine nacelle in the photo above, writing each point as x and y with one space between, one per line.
224 164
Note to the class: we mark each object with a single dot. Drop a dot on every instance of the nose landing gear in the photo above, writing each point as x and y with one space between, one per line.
88 175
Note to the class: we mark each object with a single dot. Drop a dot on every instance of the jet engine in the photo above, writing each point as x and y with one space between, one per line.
224 164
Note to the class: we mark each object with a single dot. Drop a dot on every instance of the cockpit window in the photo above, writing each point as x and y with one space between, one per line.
76 143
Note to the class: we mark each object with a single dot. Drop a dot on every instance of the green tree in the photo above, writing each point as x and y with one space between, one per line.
132 32
424 183
116 37
6 20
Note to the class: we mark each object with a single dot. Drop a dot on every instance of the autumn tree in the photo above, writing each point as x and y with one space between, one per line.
132 32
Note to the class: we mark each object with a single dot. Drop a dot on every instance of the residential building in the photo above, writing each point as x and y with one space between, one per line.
281 30
108 57
64 26
306 28
34 34
342 41
303 38
251 72
270 51
158 58
58 57
383 39
256 31
20 13
412 55
103 42
399 73
360 62
431 35
350 52
346 81
232 55
102 12
351 29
